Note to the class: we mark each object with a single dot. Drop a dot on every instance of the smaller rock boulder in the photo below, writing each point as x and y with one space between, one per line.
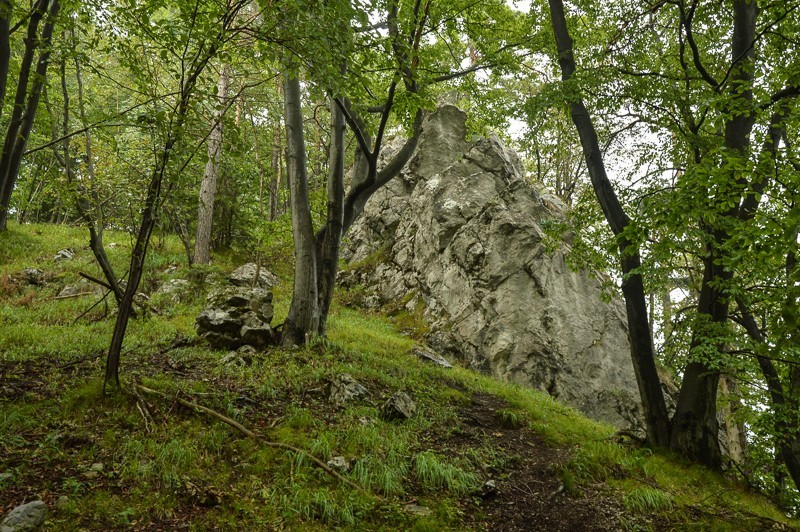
398 407
64 254
345 388
429 355
28 516
339 463
236 316
82 287
245 275
416 509
33 276
176 289
487 490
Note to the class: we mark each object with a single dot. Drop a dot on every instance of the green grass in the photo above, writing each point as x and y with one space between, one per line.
165 466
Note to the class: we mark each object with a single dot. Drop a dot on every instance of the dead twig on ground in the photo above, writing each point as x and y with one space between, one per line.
144 410
70 296
250 434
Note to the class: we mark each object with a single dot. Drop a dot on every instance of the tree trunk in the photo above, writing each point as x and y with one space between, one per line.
26 101
694 425
149 214
303 317
785 406
735 432
93 218
695 429
642 351
329 239
208 187
275 181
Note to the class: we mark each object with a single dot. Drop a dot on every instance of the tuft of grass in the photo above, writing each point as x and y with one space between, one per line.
324 504
384 475
509 419
434 473
646 500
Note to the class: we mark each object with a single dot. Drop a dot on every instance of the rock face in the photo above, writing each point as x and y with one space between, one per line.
460 230
235 316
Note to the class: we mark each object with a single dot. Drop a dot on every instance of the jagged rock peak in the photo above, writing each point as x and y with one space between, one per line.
461 231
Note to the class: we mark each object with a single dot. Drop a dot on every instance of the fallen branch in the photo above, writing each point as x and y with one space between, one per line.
69 296
250 434
144 410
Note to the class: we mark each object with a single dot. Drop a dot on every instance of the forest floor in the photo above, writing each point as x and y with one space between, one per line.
134 460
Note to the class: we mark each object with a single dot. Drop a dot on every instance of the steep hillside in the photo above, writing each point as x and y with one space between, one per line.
476 454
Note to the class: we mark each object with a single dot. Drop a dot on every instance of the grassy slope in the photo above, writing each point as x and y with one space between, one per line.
164 466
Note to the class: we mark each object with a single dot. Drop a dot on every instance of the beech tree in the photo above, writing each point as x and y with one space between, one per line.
720 97
208 187
317 255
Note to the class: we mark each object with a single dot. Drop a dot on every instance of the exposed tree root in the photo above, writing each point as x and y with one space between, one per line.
250 434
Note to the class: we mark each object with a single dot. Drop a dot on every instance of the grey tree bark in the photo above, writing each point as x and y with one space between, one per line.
329 238
303 317
642 351
208 187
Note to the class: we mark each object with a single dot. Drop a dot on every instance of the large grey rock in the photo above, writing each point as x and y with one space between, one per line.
28 516
245 276
236 316
460 230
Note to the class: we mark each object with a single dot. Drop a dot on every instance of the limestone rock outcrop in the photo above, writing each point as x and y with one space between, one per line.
460 230
236 316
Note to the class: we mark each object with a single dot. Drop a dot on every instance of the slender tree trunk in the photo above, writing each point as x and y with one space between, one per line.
93 217
262 174
784 405
275 182
303 315
149 214
33 190
26 101
734 428
208 187
642 351
330 237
